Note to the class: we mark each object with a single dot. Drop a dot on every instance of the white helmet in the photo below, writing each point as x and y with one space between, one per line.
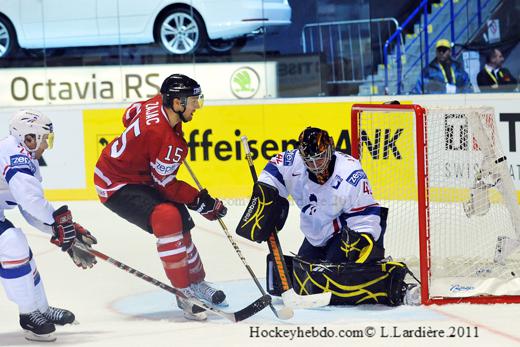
26 122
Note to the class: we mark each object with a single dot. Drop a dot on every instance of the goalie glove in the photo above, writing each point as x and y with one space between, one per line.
207 206
79 255
359 248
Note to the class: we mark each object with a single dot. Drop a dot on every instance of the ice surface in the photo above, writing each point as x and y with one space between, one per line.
115 308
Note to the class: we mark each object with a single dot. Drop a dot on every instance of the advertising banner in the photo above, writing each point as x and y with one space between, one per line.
113 84
215 151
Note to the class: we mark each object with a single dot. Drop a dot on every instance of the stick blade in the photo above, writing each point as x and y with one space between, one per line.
253 308
295 301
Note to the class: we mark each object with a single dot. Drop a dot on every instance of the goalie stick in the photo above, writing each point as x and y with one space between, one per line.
251 309
289 296
284 312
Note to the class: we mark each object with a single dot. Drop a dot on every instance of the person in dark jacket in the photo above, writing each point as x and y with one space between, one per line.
443 75
493 77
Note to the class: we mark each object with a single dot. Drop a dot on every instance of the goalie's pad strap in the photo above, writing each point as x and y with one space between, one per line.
266 212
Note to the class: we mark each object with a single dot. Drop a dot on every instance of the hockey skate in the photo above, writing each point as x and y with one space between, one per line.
412 296
36 327
191 312
204 291
59 316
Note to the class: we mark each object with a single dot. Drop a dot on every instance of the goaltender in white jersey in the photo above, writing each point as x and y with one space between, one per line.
331 190
344 227
31 133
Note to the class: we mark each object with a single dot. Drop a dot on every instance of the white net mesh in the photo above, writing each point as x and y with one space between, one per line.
472 201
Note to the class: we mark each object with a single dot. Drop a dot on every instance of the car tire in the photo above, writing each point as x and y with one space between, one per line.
8 43
180 31
224 46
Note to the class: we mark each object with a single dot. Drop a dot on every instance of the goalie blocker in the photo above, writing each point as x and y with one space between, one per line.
350 283
265 212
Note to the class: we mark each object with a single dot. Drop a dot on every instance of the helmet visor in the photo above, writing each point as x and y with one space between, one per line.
195 101
50 140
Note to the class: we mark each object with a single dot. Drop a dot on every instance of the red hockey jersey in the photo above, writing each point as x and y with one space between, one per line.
148 152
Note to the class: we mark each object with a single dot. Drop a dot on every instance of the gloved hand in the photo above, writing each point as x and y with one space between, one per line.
360 247
64 232
79 256
207 206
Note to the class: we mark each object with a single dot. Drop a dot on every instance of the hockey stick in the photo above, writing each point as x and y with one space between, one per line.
285 312
289 296
253 308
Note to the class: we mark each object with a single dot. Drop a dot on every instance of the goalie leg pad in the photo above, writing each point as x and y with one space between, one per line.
266 212
350 283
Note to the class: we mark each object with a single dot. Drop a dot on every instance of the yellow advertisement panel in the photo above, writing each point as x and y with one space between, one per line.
215 152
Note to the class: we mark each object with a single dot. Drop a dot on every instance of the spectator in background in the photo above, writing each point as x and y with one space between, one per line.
493 77
443 74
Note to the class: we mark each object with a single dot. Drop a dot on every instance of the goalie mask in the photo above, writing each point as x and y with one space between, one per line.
28 122
315 146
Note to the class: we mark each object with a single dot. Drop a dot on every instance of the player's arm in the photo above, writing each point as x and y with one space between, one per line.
28 193
363 221
38 224
275 173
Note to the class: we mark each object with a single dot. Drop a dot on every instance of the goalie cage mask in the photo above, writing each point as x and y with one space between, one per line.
315 146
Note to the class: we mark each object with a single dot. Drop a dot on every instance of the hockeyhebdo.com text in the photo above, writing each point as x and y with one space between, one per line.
378 332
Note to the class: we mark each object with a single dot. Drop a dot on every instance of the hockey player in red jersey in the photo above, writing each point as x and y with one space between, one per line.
135 177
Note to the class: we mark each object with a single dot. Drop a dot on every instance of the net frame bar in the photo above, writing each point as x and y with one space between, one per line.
422 198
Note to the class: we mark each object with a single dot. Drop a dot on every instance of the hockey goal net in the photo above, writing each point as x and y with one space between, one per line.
453 211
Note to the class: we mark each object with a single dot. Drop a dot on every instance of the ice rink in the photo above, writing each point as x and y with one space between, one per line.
115 308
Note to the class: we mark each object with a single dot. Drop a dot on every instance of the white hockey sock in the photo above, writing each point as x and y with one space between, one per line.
39 291
18 283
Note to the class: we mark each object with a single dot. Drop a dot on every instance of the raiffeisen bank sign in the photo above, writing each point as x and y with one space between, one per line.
109 84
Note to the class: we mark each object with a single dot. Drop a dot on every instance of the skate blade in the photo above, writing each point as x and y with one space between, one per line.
224 303
29 335
202 316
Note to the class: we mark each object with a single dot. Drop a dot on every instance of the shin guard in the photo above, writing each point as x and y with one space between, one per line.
166 224
196 269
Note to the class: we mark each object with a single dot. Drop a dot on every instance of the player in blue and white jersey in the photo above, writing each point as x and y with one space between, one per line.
333 193
31 133
343 225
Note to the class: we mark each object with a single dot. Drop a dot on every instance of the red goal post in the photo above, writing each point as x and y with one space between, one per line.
454 215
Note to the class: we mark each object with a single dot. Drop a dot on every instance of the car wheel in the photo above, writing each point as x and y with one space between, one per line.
7 38
181 31
221 46
224 46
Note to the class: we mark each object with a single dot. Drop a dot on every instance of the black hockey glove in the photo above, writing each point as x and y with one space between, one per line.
207 206
63 229
81 257
360 247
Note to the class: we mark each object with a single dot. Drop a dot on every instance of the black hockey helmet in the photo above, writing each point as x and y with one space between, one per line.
315 146
180 86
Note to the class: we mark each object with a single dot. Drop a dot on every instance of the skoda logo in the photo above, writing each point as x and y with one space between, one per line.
245 83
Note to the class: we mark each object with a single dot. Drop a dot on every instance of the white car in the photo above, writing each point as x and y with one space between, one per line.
180 27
